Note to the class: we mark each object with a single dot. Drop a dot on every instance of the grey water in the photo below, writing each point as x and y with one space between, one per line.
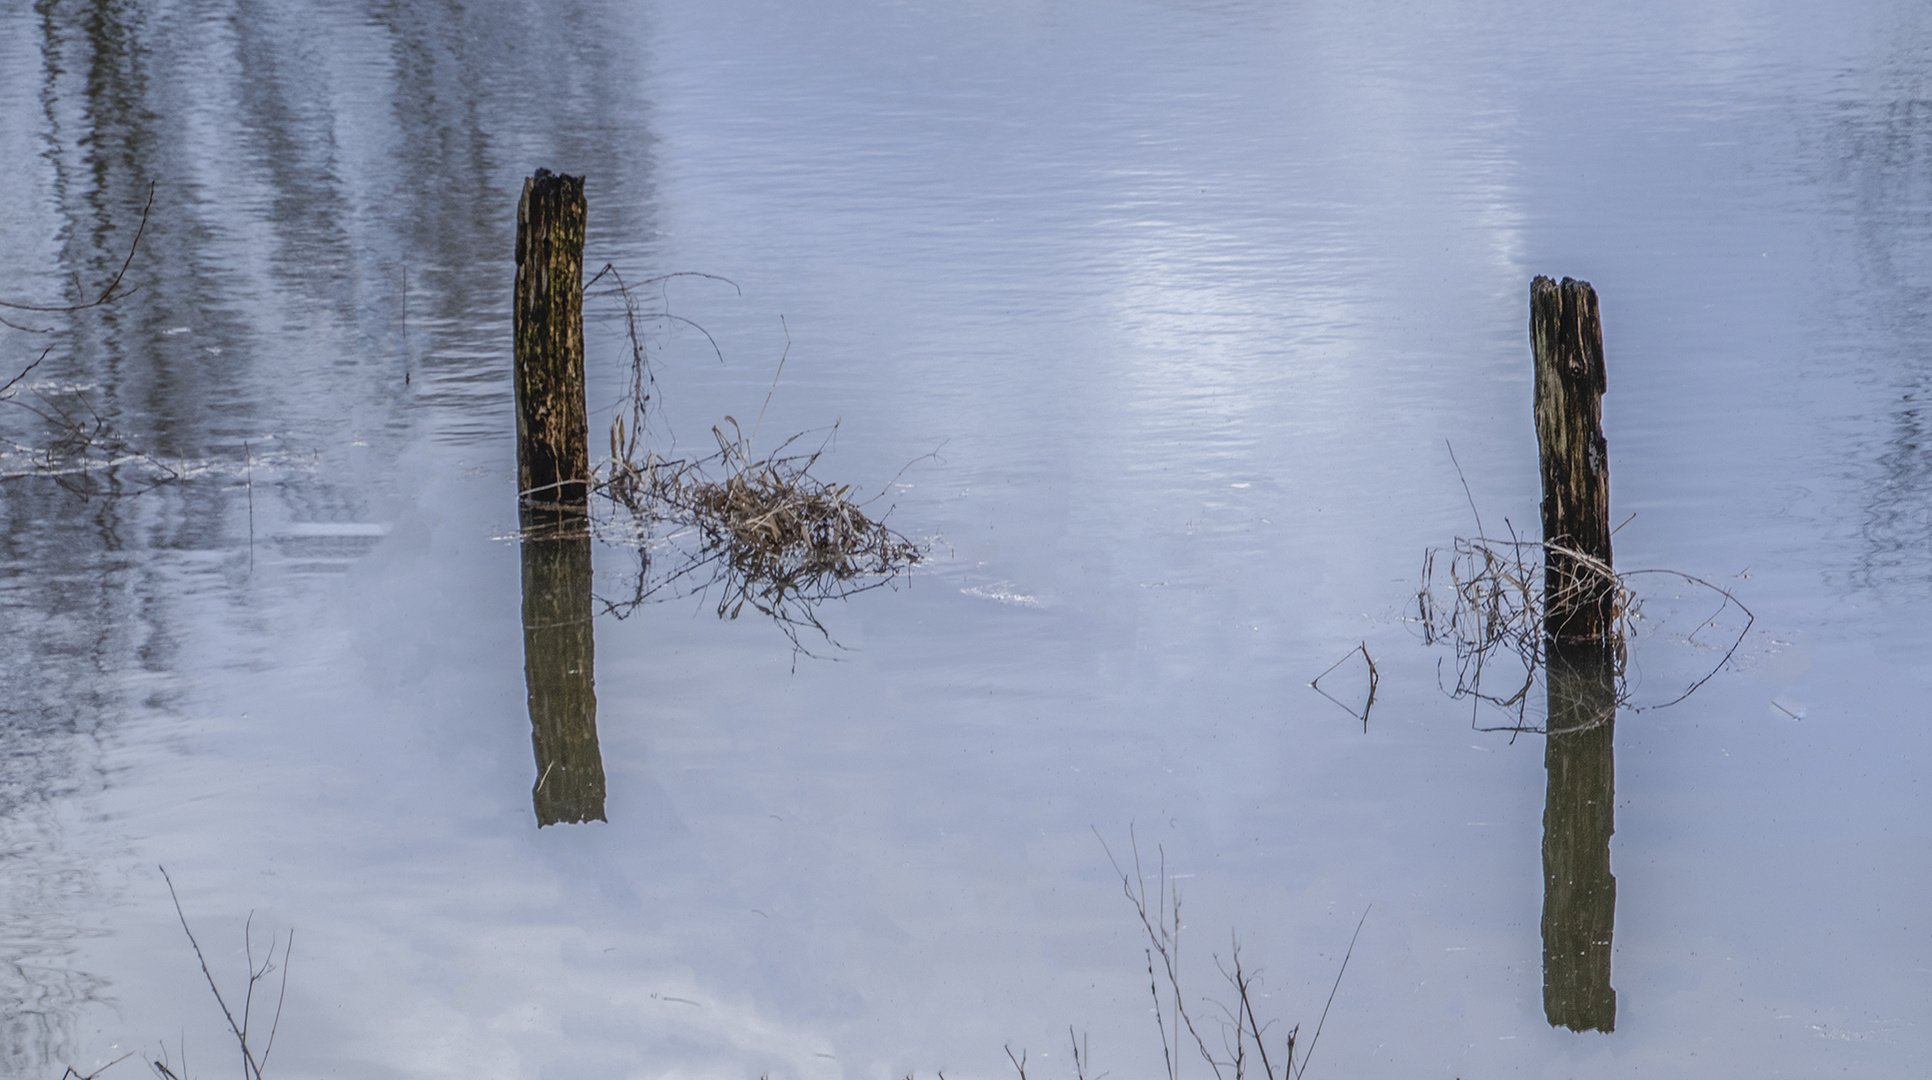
1157 321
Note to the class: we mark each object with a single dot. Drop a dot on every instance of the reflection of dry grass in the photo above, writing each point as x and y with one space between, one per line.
1486 599
758 529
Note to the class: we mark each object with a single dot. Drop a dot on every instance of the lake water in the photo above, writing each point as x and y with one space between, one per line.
1188 302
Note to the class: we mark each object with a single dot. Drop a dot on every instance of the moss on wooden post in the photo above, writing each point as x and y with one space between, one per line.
553 451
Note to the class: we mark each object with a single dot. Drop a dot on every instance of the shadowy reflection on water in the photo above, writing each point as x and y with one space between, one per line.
1579 892
559 656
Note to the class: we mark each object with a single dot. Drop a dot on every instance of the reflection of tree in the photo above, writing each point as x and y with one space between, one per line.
296 191
559 668
1874 147
1579 892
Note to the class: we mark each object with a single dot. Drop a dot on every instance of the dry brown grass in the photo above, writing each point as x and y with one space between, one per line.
755 530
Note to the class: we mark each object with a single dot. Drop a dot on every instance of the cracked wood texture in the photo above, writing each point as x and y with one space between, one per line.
1567 339
553 452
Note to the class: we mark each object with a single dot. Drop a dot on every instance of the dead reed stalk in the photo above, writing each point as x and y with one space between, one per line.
1243 1036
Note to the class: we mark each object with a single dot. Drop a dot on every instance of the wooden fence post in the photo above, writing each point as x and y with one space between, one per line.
1581 650
1567 337
553 451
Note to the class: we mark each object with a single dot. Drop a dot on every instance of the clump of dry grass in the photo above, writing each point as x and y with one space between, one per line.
780 520
759 530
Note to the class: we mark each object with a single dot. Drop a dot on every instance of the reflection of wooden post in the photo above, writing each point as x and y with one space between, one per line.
1568 342
559 668
553 446
1579 625
1579 892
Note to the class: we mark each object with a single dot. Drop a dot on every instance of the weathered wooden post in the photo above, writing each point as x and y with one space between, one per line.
553 446
1580 650
553 485
559 667
1567 338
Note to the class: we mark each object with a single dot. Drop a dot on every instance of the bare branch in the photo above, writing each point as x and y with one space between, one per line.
1331 993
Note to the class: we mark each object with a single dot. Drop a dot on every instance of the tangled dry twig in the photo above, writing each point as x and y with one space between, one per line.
1486 599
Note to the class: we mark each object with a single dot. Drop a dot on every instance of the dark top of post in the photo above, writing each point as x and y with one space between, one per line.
553 451
1567 338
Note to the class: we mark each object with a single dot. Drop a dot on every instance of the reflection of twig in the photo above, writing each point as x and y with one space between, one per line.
107 295
1082 1057
72 452
248 466
756 424
1473 512
78 439
25 370
1373 678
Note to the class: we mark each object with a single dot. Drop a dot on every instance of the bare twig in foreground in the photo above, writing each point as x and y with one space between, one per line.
1331 993
77 1075
251 1065
1244 1036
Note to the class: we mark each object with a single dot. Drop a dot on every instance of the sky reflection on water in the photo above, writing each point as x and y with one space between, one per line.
1188 298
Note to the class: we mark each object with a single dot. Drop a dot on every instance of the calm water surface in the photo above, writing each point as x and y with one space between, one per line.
1190 300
